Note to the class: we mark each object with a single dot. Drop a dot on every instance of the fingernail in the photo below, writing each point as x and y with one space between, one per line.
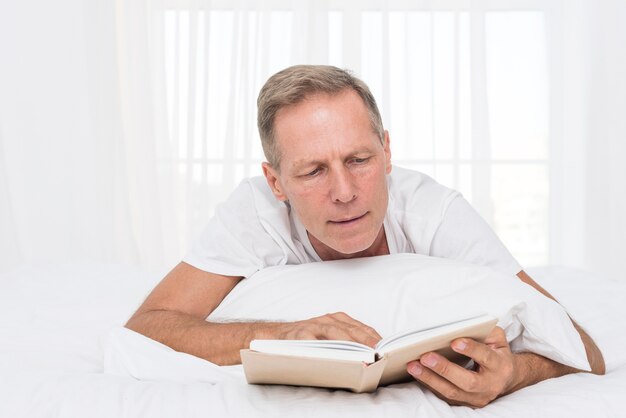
460 345
429 361
415 369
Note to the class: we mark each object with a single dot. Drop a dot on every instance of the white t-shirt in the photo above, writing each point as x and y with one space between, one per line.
253 230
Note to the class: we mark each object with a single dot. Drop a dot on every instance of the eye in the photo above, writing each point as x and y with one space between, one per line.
360 160
313 173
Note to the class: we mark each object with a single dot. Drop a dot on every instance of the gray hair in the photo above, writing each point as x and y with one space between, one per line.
294 84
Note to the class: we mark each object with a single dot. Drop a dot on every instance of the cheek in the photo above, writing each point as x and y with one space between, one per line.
304 193
373 182
307 202
307 191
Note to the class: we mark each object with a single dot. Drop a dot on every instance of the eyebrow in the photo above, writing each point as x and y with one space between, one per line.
301 163
304 163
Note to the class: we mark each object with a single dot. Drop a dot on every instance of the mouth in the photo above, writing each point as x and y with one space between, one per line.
348 221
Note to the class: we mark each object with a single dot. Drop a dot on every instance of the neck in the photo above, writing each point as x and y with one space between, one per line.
326 253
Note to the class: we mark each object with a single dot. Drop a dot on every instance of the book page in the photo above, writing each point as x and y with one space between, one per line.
330 349
408 337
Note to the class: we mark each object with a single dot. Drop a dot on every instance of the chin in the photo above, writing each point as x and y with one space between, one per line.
354 247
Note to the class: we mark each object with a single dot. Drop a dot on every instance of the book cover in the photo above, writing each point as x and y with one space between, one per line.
354 366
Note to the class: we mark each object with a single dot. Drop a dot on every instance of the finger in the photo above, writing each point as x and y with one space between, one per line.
303 334
467 380
344 317
332 332
337 330
479 352
358 329
443 387
365 337
497 338
341 330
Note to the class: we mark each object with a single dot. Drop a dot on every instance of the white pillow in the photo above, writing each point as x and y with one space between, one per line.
401 291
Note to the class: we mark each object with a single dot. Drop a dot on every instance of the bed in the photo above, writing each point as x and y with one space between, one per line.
56 320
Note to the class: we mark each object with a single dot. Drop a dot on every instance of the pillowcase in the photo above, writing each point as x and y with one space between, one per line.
398 292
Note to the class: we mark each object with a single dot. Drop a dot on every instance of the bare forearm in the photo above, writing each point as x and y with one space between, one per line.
533 368
594 355
220 342
217 342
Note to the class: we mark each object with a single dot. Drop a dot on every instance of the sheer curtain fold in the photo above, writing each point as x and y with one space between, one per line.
60 132
150 179
606 138
481 150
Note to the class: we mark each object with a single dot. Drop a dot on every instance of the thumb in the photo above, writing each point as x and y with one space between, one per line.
497 338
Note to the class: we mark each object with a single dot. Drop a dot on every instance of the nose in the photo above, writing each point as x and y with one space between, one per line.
342 188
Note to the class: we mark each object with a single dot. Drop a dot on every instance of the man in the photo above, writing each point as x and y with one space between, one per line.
330 193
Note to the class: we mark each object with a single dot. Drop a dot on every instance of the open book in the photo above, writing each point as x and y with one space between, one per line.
354 366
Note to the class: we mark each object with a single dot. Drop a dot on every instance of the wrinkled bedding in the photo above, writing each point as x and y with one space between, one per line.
56 322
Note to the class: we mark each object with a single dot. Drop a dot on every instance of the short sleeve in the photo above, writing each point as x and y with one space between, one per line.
235 241
464 235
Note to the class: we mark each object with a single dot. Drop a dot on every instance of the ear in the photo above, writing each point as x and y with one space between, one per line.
387 150
273 180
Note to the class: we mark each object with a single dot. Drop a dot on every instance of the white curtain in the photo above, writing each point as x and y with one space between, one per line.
123 124
60 132
605 139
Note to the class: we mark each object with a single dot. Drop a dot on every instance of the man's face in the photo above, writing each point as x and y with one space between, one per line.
333 171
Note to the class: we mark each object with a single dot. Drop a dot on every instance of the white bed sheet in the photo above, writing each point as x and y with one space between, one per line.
54 319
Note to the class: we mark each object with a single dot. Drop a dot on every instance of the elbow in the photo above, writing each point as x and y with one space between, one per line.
133 324
136 322
596 361
599 368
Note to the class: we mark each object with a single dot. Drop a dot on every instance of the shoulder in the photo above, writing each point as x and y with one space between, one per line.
252 189
416 192
417 206
252 195
465 235
248 232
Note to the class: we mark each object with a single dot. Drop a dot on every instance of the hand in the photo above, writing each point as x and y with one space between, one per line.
332 326
494 371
